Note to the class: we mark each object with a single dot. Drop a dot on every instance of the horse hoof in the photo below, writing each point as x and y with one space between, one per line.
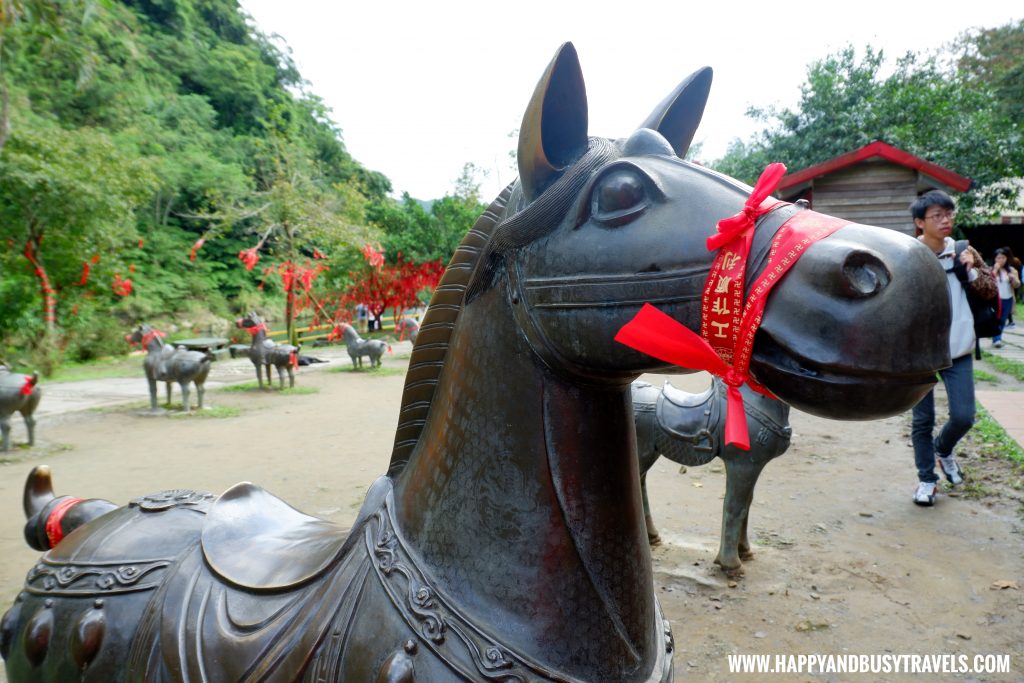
729 564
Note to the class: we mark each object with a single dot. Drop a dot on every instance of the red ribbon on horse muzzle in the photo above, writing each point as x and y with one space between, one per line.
728 322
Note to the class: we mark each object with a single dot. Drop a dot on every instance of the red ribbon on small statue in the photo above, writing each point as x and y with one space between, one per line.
150 336
262 327
728 324
26 388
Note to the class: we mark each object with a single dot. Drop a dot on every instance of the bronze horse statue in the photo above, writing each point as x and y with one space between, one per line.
690 429
165 363
506 541
358 347
18 394
266 353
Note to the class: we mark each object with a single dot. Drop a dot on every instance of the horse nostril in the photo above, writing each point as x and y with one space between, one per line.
864 274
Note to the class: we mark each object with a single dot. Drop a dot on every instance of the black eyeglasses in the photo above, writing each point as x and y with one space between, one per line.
939 216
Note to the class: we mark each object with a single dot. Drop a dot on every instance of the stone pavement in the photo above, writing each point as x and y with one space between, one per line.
1006 407
65 397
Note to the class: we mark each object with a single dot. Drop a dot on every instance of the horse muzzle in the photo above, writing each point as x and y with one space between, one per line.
858 328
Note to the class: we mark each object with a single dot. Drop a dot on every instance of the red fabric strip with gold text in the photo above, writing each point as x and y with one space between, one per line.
727 324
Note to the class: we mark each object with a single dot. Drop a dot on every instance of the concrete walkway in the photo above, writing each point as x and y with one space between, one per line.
66 397
1006 407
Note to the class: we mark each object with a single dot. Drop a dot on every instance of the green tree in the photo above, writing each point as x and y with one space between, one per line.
930 110
64 197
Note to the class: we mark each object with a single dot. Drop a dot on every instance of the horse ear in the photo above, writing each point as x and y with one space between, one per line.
553 134
679 114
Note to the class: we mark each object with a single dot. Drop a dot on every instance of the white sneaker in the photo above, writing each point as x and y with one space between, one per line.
951 468
997 344
925 493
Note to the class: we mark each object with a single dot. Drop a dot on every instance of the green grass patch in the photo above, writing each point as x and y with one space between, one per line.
982 376
212 412
379 371
1007 366
102 368
992 439
298 391
241 386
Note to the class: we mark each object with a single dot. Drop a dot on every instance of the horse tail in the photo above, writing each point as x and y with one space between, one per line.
431 348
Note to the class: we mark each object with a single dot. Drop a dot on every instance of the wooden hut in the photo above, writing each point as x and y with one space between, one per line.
874 184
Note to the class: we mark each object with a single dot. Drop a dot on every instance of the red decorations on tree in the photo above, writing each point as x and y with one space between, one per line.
121 286
382 285
250 257
375 257
195 247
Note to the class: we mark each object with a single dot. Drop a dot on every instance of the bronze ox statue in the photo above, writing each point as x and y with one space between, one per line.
690 429
506 540
266 353
165 363
18 394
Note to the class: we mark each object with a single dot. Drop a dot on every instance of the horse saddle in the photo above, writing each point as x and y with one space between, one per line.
693 418
293 547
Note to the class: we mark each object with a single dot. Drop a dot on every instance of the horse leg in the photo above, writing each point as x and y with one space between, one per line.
291 376
270 382
200 391
280 377
653 537
741 474
30 426
152 394
168 393
259 375
5 429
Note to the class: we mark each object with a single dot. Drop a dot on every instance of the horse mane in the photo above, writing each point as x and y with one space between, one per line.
431 348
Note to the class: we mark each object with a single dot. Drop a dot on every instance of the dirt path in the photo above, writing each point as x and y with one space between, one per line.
845 563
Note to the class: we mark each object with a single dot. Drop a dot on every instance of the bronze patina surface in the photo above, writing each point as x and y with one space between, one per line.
265 353
166 363
690 429
507 540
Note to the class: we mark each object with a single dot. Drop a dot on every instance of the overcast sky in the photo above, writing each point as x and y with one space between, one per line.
420 88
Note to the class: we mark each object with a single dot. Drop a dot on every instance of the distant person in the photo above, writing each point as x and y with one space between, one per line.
1007 280
933 214
1019 293
362 316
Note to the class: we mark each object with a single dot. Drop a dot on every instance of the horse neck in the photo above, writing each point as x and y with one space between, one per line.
155 345
522 496
259 335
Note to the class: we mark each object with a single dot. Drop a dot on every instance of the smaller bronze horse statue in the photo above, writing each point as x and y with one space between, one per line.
265 352
408 326
689 429
165 363
18 393
359 347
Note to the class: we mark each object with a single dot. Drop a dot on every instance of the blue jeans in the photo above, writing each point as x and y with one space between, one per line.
959 382
1005 309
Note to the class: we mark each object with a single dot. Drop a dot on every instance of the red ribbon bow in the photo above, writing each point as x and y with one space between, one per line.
739 225
664 338
26 388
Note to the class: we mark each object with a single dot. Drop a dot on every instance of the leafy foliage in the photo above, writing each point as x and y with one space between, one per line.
962 112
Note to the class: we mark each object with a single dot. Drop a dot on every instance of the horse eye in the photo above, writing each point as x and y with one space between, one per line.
619 197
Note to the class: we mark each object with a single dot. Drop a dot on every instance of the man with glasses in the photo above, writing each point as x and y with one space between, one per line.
933 214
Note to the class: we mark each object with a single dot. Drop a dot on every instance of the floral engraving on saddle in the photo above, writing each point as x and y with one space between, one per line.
51 577
165 500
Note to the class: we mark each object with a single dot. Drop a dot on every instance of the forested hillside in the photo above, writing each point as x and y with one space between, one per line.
152 152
